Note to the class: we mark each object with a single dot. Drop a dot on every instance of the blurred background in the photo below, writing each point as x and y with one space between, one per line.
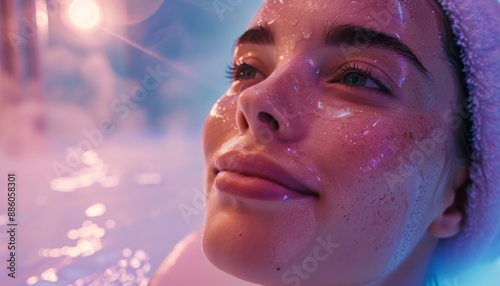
102 104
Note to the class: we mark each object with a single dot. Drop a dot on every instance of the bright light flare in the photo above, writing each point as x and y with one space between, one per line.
84 14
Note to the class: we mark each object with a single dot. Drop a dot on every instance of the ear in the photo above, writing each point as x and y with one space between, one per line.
449 221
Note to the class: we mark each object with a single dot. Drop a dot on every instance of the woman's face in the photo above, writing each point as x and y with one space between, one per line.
329 156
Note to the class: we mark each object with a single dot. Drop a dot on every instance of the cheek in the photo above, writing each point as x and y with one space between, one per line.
367 148
220 125
380 181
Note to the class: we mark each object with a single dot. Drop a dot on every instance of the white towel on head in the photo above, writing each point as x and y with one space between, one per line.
476 24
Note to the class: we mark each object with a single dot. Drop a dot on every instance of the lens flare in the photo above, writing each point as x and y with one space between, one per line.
84 14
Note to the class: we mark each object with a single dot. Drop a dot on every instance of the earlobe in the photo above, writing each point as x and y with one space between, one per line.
449 222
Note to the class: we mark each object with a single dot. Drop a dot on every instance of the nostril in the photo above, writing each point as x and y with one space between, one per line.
241 121
269 120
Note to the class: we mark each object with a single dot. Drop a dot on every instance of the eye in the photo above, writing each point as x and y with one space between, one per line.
242 71
358 79
245 71
358 75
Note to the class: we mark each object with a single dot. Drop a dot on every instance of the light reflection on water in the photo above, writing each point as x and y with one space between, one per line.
129 270
96 172
132 268
88 241
96 210
96 235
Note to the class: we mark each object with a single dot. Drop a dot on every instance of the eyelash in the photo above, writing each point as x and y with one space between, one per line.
352 67
234 69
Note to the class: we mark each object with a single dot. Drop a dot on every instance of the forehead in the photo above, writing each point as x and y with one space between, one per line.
401 11
415 22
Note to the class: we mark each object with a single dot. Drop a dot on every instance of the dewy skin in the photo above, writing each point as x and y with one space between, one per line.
326 137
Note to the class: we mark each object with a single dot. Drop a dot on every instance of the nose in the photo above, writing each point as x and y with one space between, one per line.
270 110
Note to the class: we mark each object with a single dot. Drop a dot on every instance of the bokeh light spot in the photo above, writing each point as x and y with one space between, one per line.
84 14
96 210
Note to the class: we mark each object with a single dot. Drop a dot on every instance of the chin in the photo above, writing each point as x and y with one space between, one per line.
254 242
260 251
239 256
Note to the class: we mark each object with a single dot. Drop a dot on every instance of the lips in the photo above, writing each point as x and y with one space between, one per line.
256 176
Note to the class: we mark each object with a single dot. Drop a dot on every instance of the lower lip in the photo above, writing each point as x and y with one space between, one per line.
254 187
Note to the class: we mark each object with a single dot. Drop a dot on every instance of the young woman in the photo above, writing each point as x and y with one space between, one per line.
351 148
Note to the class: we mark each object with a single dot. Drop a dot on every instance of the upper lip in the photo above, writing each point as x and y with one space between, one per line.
256 165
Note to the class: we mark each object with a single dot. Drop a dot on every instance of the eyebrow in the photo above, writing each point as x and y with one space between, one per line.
344 36
261 35
356 36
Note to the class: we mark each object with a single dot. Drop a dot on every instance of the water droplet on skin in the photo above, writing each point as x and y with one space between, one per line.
311 62
296 88
281 57
306 35
321 106
271 22
340 113
282 1
308 99
401 81
214 113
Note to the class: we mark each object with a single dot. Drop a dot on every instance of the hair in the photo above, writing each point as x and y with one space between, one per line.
463 134
452 52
